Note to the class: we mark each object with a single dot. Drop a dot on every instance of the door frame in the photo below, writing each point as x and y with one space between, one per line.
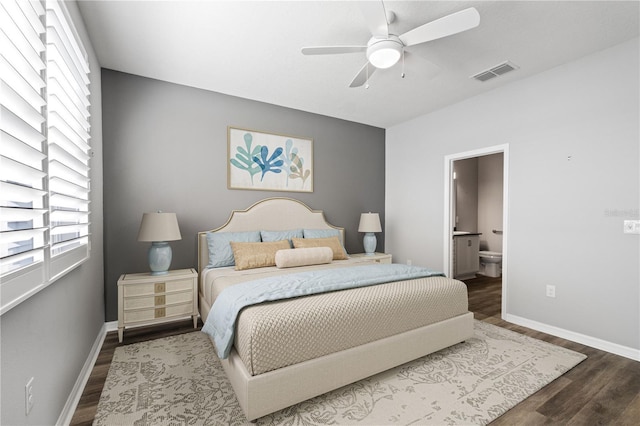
449 220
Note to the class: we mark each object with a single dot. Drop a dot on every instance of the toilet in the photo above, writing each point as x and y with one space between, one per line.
490 263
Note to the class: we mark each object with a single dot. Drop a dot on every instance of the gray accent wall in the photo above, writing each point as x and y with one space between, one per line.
574 177
50 335
165 148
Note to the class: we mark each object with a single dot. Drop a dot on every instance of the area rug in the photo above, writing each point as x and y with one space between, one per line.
179 380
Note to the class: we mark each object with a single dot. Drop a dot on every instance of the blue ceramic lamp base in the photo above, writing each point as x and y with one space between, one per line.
160 255
369 243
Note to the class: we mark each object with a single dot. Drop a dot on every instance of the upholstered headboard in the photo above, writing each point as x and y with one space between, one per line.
270 214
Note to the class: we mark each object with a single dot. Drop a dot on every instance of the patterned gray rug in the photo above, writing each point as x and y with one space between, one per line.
179 380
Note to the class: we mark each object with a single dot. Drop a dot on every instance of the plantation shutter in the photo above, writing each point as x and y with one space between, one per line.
68 141
23 236
44 148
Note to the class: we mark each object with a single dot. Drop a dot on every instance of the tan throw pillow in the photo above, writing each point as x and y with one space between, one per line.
332 242
256 255
303 257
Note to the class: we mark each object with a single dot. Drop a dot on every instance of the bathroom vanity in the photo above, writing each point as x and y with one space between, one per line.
466 260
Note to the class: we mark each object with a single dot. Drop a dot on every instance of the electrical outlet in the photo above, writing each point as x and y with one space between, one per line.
551 291
28 396
632 226
409 262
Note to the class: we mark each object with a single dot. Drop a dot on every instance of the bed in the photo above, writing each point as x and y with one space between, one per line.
287 351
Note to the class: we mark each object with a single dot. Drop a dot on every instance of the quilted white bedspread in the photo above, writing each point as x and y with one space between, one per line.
220 323
277 334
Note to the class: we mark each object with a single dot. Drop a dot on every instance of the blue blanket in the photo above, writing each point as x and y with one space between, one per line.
220 324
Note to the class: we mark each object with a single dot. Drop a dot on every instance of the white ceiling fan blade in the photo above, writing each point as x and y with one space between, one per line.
443 27
428 69
376 17
332 50
362 76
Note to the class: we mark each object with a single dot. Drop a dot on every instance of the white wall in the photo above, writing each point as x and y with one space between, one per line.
50 335
573 135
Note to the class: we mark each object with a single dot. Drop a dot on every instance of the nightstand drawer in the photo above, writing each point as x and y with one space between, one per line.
160 300
155 313
158 287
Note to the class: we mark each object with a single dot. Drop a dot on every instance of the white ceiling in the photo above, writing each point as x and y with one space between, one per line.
251 49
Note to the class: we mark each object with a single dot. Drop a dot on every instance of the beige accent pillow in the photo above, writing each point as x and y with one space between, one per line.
256 255
303 257
332 242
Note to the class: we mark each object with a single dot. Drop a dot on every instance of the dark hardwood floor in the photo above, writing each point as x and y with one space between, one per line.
602 390
88 404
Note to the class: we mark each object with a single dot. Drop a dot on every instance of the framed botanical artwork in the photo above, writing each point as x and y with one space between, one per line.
268 162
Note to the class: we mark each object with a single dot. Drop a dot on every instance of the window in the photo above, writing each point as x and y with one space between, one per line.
44 148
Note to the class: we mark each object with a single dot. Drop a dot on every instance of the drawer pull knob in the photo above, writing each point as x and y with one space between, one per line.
160 300
160 312
159 287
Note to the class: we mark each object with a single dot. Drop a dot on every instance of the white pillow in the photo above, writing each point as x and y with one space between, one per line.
303 256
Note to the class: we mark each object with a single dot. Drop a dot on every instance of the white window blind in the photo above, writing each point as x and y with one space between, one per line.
22 172
68 134
44 148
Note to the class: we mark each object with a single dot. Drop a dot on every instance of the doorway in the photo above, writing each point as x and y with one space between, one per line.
452 217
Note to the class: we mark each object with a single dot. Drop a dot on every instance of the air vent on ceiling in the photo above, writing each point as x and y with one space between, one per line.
496 71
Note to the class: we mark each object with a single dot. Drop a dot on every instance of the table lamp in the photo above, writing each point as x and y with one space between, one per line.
158 228
369 223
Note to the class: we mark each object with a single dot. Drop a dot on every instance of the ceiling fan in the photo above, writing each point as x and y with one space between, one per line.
385 49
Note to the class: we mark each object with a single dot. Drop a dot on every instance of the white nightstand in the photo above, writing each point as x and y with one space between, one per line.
375 257
150 299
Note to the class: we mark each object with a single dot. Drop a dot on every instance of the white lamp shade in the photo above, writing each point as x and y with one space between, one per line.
159 227
369 222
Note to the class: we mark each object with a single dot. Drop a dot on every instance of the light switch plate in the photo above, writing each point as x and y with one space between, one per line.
632 226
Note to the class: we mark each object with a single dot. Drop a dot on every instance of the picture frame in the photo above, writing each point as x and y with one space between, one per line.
263 161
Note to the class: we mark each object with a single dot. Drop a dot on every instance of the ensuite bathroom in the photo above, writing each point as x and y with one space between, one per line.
477 216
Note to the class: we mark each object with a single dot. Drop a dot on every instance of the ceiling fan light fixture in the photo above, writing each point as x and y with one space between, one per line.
384 53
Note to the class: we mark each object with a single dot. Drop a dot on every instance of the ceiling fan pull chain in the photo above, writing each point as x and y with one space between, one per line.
366 86
402 75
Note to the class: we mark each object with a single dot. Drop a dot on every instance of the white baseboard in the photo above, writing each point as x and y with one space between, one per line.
76 393
111 326
603 345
